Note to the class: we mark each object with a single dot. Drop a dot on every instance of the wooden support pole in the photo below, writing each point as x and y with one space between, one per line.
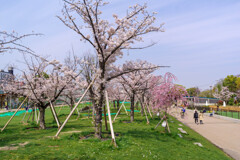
38 117
24 116
33 115
78 113
64 123
158 123
60 110
110 121
119 109
13 114
54 114
149 110
168 127
36 114
146 114
143 109
30 115
125 108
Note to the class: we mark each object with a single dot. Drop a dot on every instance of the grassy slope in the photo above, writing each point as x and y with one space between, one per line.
136 141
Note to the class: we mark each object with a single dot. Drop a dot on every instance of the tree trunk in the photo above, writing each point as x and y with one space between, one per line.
42 118
105 118
98 121
142 109
93 110
118 104
132 108
114 106
137 105
72 104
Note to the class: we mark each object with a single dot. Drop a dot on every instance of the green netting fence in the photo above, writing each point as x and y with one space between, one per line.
17 114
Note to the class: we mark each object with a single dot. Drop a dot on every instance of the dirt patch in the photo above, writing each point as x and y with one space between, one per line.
23 144
32 128
106 136
85 137
72 132
50 136
126 121
7 148
13 146
105 139
53 146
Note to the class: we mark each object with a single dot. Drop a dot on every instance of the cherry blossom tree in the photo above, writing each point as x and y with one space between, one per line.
73 90
108 39
134 82
166 94
42 83
116 92
146 92
224 94
89 68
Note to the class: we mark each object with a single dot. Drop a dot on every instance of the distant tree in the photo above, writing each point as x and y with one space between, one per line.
194 91
224 94
218 87
231 83
72 90
206 93
116 92
238 83
134 82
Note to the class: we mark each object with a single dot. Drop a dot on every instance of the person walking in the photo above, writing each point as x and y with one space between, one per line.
195 116
201 117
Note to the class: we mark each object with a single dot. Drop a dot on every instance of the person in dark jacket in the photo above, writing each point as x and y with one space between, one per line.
195 116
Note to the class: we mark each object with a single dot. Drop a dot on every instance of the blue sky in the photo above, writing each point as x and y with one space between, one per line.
201 41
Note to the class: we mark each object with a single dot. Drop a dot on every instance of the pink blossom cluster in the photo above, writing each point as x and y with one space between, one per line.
167 93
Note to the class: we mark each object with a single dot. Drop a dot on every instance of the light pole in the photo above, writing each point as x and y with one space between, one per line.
211 90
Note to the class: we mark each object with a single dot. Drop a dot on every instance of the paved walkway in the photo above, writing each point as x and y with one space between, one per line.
221 131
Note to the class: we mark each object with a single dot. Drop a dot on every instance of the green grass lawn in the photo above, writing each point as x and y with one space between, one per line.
235 115
135 140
